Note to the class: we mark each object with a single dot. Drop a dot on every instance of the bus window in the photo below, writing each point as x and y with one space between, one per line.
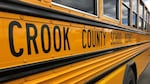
79 5
134 13
111 8
145 19
148 20
126 12
141 16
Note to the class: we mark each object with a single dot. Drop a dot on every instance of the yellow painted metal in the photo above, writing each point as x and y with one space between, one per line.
115 77
70 39
141 61
65 39
42 3
85 70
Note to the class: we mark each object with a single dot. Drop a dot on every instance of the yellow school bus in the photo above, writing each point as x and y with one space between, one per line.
73 41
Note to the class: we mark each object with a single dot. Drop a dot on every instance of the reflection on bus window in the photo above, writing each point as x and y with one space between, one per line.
126 12
141 10
134 5
140 23
111 8
127 2
134 12
89 6
125 15
134 19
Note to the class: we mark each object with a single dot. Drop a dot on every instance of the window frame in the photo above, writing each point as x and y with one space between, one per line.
78 10
117 12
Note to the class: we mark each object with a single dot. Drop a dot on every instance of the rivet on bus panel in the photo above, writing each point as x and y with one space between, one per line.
25 61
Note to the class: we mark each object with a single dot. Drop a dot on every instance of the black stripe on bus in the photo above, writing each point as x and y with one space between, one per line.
16 6
25 70
100 76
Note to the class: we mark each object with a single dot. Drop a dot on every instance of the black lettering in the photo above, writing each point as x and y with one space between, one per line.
83 43
11 42
89 38
93 38
46 28
101 37
112 38
56 28
31 38
97 38
66 38
104 33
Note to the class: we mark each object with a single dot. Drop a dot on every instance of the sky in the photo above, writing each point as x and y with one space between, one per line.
147 2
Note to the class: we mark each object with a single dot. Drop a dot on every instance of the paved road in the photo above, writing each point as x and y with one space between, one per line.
145 77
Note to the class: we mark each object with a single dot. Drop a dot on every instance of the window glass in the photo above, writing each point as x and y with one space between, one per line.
134 12
127 2
141 10
89 6
125 15
134 5
141 13
149 20
147 17
145 13
144 25
140 23
134 20
111 8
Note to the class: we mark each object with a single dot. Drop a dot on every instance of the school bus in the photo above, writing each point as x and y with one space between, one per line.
73 41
